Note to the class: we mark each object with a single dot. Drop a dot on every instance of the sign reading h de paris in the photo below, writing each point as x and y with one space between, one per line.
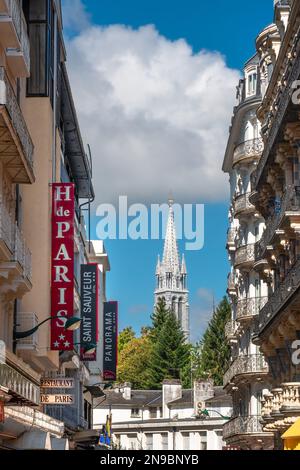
62 272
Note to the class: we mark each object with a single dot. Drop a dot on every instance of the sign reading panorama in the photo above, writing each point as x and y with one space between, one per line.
89 309
110 340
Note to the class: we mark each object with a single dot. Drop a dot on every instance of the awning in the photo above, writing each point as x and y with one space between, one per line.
293 431
59 444
32 440
74 149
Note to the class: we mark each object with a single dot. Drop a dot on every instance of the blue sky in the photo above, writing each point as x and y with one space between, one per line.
125 51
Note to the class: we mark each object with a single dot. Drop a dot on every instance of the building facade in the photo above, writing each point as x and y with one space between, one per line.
40 144
262 161
167 419
171 276
275 194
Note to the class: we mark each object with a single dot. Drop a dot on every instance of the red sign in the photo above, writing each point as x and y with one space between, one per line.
62 271
2 416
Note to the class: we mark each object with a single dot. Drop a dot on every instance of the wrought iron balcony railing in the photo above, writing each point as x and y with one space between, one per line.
250 307
277 300
241 425
290 202
250 149
244 365
244 255
6 228
9 100
242 204
11 12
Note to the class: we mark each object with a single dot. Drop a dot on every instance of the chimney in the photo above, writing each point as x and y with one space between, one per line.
127 391
172 389
203 390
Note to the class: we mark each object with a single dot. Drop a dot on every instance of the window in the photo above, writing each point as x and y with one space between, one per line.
203 440
149 441
152 413
135 413
252 84
185 441
164 441
132 441
40 18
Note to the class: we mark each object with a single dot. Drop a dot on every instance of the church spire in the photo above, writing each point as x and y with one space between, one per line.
170 256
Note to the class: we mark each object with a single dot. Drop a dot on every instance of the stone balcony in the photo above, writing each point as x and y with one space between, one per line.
289 207
249 308
243 206
244 257
230 330
32 417
276 302
244 367
16 147
231 285
281 407
14 37
248 151
15 258
20 388
242 425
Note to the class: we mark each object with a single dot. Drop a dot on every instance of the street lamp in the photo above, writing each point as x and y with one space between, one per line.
71 324
205 414
88 348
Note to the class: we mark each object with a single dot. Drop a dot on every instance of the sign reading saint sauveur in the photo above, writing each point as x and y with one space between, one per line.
110 342
89 309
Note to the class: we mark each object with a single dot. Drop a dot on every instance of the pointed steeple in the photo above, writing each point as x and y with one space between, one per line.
158 266
183 266
170 256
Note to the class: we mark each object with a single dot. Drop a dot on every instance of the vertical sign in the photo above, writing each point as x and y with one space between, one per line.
89 309
110 342
62 270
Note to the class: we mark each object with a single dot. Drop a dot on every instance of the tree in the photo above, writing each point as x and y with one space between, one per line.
171 353
125 337
212 354
159 316
133 363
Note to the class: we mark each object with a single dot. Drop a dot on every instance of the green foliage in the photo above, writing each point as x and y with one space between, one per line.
133 363
125 337
171 353
210 357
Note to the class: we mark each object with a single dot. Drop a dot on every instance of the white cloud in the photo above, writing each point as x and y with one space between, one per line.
155 114
75 16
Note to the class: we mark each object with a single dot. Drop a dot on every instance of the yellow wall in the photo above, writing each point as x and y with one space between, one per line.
37 218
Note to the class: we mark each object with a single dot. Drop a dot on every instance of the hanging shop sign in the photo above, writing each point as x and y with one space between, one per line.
89 309
58 383
62 270
59 399
110 340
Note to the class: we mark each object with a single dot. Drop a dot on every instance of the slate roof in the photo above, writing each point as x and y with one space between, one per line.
138 398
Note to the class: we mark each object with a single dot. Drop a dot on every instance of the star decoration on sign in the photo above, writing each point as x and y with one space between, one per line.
67 344
56 344
62 337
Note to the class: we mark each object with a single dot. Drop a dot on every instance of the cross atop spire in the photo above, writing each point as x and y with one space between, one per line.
170 256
